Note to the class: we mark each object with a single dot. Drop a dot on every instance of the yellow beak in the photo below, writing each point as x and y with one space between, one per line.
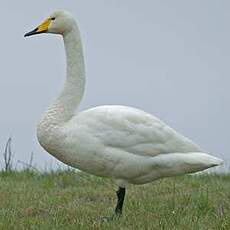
40 29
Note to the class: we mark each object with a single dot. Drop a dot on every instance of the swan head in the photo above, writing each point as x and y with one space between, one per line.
59 22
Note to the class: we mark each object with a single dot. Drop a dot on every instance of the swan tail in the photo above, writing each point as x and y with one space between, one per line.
180 163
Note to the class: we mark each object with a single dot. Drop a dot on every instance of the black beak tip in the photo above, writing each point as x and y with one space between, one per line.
33 32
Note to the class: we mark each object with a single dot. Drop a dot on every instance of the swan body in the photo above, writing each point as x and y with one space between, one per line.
123 143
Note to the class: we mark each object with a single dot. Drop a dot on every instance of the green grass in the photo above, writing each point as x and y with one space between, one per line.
70 200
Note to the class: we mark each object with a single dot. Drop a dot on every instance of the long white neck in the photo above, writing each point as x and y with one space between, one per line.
70 97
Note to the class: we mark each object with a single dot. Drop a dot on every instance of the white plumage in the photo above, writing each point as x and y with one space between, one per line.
123 143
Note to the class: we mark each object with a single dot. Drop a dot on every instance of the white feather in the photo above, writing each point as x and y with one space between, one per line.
123 143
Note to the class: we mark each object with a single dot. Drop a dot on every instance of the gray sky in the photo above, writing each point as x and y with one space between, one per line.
169 58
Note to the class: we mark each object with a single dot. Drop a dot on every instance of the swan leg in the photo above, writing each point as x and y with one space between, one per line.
120 200
118 210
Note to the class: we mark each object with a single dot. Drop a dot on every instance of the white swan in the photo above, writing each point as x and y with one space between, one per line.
123 143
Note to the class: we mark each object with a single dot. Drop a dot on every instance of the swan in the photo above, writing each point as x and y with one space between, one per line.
123 143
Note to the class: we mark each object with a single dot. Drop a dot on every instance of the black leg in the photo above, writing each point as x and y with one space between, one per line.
120 200
118 210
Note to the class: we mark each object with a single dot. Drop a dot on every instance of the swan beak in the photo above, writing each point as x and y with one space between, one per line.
40 29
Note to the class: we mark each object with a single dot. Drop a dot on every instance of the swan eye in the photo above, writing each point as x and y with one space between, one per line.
53 18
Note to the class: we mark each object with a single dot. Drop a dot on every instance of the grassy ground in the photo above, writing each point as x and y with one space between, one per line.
69 200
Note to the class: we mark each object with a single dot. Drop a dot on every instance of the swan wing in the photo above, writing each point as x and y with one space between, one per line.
132 130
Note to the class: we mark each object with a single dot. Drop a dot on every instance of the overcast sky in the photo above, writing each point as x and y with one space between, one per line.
169 58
